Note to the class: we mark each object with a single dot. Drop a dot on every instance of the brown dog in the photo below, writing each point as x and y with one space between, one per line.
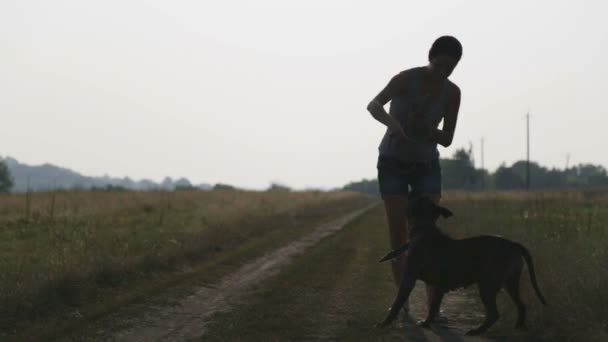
491 262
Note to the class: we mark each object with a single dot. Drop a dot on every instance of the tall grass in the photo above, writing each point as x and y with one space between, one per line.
57 250
567 235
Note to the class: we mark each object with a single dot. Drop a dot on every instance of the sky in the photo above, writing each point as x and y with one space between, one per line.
254 92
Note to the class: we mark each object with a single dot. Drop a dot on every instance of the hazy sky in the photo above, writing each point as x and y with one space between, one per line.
251 92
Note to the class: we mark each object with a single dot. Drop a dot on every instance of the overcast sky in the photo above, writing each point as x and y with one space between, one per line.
253 92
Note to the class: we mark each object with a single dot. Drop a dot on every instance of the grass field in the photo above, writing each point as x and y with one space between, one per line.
338 291
69 257
72 256
567 234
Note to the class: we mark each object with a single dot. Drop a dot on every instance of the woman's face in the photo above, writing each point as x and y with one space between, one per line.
442 66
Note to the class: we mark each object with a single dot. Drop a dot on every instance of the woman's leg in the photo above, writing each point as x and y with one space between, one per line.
394 186
395 207
430 290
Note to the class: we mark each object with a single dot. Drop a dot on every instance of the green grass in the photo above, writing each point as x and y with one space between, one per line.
337 290
567 235
97 251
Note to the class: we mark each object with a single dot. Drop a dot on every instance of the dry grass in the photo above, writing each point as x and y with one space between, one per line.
567 234
57 250
63 253
339 289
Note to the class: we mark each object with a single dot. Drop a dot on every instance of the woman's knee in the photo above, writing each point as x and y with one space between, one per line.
397 220
395 203
395 209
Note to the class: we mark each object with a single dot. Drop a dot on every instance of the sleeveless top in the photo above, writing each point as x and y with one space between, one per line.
419 150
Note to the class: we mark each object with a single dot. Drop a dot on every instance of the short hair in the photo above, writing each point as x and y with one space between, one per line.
446 46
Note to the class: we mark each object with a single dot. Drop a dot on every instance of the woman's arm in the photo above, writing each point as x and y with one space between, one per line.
376 105
445 135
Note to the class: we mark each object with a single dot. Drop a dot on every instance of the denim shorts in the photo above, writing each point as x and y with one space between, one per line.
413 179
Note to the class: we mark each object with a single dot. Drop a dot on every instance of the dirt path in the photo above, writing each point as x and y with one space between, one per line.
337 291
334 291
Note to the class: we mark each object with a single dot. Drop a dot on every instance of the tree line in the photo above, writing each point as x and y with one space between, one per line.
459 172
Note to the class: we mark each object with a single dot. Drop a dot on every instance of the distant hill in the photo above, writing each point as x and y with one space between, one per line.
48 177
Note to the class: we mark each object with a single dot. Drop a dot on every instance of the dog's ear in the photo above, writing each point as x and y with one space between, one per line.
445 212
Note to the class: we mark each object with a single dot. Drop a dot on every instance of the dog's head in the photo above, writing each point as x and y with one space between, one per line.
424 210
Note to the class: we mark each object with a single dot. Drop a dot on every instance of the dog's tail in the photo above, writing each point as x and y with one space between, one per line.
395 252
528 258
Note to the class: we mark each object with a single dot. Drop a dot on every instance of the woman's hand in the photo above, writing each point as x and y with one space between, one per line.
378 112
397 130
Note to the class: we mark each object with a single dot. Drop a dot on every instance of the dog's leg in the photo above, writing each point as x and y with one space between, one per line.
512 287
404 292
436 295
488 297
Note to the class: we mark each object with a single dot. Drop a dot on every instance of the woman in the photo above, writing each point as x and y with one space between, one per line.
421 98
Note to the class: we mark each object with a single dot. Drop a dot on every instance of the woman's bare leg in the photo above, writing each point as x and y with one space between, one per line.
395 206
430 290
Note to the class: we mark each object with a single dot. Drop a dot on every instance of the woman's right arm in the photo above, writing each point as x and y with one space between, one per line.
376 105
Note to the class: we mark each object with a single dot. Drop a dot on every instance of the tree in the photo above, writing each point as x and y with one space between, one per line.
183 184
459 171
6 180
591 175
276 187
506 179
223 187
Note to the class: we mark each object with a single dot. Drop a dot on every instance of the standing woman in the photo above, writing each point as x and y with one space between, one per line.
408 161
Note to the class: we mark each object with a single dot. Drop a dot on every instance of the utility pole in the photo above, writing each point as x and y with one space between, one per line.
471 153
483 176
528 151
482 156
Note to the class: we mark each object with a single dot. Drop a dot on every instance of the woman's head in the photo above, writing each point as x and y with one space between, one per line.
444 55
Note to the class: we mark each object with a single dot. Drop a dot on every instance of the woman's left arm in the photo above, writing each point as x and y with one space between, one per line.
445 135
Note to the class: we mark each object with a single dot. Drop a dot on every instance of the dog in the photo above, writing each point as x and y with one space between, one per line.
491 262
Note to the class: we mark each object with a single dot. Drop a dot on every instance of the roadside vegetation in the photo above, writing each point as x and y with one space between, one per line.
72 256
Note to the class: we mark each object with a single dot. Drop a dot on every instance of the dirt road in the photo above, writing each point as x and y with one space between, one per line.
324 286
